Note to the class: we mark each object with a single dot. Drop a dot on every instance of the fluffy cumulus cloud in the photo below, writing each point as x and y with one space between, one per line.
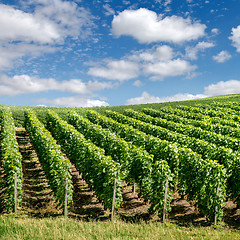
147 27
159 53
120 70
36 27
236 37
222 88
10 53
172 68
192 52
147 98
22 84
68 18
16 25
51 21
75 101
159 62
222 57
137 83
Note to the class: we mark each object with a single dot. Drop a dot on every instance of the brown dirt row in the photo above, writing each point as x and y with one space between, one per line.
37 196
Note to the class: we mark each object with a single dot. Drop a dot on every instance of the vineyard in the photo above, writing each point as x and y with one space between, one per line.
159 154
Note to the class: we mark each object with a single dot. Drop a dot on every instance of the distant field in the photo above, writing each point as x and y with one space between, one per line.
209 100
19 119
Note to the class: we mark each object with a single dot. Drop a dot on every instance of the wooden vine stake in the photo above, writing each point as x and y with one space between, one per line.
66 198
134 187
15 192
165 203
114 197
216 208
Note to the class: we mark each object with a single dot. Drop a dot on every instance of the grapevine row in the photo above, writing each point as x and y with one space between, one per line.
232 105
197 115
98 170
225 156
159 128
223 108
155 126
11 161
229 111
135 162
203 124
196 132
221 113
199 178
54 164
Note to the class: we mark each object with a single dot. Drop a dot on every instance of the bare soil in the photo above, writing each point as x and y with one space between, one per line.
85 203
37 196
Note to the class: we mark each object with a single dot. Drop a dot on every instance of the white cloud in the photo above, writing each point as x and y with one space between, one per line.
16 25
137 83
158 62
9 53
167 2
236 37
164 2
172 68
77 86
75 101
147 27
70 19
22 84
160 53
120 70
192 52
108 10
38 26
215 31
222 88
147 98
50 22
223 56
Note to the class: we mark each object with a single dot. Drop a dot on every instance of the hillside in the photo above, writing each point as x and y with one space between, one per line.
209 100
190 147
19 118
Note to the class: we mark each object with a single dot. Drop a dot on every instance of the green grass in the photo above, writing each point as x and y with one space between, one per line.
60 228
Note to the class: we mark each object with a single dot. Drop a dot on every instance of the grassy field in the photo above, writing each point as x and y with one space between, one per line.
59 228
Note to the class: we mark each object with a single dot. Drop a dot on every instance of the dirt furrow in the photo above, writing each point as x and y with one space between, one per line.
85 203
37 195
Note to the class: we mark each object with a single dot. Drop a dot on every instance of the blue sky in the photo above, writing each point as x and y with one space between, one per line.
83 53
